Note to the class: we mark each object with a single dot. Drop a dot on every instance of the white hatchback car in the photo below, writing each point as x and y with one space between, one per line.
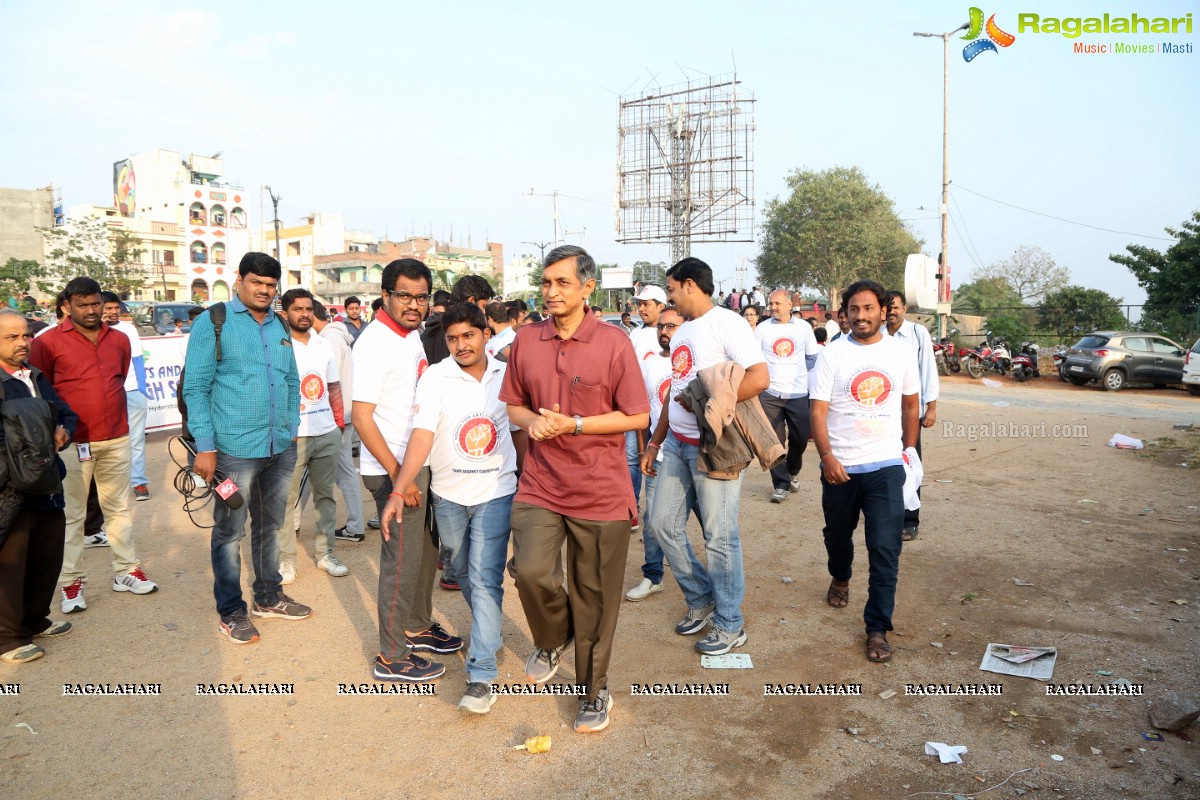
1191 369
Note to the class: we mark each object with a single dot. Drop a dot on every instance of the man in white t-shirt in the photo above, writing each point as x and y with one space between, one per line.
791 351
136 402
389 359
710 336
656 374
918 338
864 422
461 427
500 324
832 328
320 437
651 300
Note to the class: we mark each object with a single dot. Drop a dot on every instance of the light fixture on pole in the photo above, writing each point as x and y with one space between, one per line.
943 259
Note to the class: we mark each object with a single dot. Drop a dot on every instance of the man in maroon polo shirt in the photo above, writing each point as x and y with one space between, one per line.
574 384
86 361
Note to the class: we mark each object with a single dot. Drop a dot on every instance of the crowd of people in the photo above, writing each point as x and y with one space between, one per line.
488 437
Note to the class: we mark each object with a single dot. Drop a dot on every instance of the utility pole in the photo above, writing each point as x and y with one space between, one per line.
275 203
944 259
541 246
553 194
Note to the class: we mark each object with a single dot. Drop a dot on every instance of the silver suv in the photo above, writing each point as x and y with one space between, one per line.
1115 358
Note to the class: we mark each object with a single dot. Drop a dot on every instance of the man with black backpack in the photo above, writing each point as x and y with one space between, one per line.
242 392
31 525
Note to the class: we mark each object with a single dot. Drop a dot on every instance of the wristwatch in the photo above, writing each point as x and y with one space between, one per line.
578 425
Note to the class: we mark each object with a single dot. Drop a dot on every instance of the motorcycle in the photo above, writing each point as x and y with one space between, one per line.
1025 363
945 357
992 356
1059 354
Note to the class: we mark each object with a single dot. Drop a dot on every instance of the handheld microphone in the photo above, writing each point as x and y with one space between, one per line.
227 490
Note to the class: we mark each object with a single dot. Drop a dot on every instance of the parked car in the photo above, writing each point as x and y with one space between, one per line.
1115 358
158 319
1191 369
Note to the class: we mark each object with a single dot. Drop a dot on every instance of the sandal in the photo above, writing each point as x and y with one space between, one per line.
908 534
877 644
838 596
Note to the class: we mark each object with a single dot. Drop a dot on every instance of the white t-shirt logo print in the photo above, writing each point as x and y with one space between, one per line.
475 437
682 361
869 387
784 347
312 387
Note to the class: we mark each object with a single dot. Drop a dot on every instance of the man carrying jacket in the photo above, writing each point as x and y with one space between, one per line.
31 543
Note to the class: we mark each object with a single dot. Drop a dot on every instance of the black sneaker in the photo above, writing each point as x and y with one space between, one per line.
435 639
239 628
284 607
411 668
343 535
449 584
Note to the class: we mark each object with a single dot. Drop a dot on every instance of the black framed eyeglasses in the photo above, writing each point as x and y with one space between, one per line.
405 298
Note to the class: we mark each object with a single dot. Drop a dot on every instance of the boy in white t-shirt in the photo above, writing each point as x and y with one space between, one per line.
462 428
864 422
389 358
319 441
656 374
711 336
791 350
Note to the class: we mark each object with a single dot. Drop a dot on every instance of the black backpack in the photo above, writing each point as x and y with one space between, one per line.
30 454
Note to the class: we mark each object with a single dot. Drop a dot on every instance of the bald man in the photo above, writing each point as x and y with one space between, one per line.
791 349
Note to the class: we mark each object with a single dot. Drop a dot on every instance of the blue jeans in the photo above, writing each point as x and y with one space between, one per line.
653 568
681 487
477 537
879 497
633 459
263 483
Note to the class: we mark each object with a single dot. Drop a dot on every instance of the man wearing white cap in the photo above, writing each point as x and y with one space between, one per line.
651 300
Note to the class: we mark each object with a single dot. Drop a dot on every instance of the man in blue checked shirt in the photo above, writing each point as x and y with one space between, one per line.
244 412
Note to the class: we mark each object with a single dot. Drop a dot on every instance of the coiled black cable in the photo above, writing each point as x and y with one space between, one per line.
197 495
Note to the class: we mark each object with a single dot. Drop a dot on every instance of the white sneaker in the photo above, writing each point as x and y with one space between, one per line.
643 590
334 567
134 581
796 482
96 539
779 495
287 572
72 597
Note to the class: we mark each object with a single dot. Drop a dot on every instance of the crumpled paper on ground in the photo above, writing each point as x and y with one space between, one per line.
946 753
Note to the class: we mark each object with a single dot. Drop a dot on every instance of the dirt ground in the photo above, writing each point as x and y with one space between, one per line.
1108 539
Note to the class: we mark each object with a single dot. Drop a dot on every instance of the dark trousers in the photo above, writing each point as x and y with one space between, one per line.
30 557
407 563
587 608
93 523
912 519
792 414
879 497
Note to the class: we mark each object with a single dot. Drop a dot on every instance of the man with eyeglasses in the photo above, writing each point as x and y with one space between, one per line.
656 374
389 359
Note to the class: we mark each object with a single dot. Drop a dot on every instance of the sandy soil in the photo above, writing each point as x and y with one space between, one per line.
1103 574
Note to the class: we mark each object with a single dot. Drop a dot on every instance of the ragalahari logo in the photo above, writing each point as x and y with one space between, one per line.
995 36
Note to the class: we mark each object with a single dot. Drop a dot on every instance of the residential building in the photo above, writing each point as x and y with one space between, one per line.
22 212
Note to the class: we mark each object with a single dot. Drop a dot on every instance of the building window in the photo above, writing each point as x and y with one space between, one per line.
218 253
220 291
293 249
197 215
199 253
237 218
199 291
218 216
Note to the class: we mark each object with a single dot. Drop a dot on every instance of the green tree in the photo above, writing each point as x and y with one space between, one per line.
645 272
833 229
87 247
1171 280
1075 310
1030 272
1012 328
981 295
18 276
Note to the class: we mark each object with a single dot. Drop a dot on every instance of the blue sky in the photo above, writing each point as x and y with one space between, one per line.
414 116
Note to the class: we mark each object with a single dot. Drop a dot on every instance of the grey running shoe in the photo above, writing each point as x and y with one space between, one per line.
593 714
779 495
284 607
478 699
719 642
238 628
696 620
542 665
22 654
57 628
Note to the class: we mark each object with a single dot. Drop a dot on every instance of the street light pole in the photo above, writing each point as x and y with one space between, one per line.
943 295
275 204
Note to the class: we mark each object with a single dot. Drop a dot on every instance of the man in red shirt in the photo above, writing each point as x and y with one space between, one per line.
86 361
573 383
